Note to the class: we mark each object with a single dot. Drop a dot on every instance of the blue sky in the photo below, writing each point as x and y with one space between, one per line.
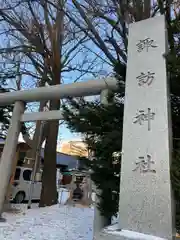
66 135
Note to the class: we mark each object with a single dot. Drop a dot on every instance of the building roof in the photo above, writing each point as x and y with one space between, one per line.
65 159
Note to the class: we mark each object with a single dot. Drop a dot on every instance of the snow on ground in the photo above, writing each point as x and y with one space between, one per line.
57 222
126 234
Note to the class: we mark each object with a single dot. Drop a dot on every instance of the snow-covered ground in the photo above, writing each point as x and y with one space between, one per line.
57 222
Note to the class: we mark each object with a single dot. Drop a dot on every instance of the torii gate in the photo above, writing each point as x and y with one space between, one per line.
80 89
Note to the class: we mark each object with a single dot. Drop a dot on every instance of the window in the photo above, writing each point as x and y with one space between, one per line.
27 175
17 174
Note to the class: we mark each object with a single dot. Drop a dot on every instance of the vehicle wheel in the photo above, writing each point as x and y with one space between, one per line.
19 198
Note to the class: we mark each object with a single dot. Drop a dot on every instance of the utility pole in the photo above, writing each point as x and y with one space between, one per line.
36 159
36 165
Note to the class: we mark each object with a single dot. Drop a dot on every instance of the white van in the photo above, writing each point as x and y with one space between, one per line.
21 184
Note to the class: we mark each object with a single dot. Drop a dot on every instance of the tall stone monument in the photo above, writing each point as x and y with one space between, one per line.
145 208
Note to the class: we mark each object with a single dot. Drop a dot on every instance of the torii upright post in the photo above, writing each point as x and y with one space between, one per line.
9 151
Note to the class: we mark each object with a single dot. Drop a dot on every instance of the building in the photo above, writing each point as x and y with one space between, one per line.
74 148
63 160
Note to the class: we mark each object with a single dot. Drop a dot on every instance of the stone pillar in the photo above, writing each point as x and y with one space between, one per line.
85 189
145 191
99 221
146 203
90 190
9 150
71 188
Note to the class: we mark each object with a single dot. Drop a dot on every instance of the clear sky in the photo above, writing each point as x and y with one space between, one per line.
66 135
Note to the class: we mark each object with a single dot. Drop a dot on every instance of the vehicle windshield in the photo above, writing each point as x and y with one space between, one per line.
17 174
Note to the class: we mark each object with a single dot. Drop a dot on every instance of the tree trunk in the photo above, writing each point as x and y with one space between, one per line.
49 194
49 189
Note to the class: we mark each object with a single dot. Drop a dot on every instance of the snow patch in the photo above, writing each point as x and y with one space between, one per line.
113 229
49 223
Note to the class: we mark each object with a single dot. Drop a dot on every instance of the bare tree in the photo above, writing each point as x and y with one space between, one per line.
105 23
48 44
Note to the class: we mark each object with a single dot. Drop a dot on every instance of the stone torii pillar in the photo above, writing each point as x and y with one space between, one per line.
9 151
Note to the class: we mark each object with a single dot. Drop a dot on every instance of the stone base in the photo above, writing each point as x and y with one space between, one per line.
114 233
